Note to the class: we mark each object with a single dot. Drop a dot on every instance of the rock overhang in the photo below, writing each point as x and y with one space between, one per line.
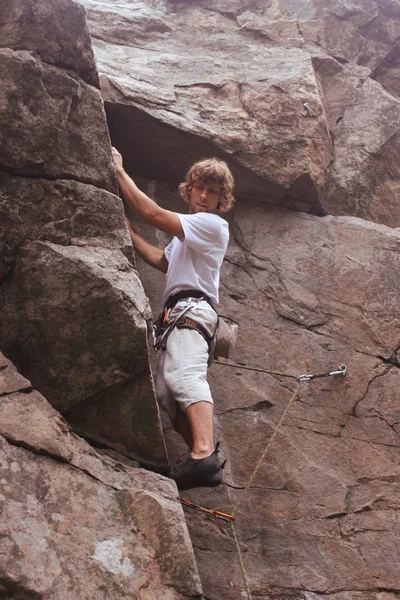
248 82
223 92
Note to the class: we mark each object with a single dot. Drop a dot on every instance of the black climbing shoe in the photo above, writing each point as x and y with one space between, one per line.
191 472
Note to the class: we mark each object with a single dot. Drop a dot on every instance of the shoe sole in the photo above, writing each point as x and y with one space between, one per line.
205 481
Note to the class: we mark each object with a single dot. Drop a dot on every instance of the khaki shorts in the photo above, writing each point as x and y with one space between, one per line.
182 367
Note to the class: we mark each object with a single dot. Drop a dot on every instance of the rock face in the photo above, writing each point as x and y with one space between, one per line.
52 105
60 37
321 518
302 97
74 314
78 525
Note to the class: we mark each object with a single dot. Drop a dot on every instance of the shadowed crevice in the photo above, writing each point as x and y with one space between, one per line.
156 150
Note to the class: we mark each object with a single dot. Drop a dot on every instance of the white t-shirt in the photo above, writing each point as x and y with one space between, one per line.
194 262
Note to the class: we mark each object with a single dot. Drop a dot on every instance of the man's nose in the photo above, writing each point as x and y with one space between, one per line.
203 195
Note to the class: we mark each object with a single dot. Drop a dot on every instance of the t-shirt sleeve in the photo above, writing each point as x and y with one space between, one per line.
168 250
201 230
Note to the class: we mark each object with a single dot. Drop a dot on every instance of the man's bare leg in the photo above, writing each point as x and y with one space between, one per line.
202 467
182 426
201 420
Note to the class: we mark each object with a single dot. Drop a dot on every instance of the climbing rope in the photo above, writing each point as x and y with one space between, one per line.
246 489
342 370
249 368
241 563
264 454
231 519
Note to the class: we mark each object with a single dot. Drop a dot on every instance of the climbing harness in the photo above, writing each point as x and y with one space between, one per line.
162 328
220 344
188 323
231 519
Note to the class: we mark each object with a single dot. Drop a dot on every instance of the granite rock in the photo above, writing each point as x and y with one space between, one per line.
74 319
74 314
53 124
79 525
222 94
364 176
60 37
63 212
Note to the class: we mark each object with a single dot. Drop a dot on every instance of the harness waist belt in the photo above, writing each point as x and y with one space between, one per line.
172 300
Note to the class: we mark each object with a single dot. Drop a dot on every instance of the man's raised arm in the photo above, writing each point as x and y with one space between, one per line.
142 205
154 256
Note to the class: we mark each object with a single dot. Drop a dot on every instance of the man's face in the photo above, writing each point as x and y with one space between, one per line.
204 197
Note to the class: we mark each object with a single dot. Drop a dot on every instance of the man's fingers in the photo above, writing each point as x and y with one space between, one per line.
117 158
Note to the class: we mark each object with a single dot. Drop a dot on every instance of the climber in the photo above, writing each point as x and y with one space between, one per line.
192 263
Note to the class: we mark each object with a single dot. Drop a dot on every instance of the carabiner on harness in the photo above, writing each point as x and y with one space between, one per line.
162 328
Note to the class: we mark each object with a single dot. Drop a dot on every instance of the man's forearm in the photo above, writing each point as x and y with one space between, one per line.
142 205
152 255
138 201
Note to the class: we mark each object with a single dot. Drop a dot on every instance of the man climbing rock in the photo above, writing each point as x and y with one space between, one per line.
192 263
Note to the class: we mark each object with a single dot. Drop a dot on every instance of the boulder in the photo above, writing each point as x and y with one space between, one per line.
60 37
64 212
364 176
53 123
76 524
74 319
74 314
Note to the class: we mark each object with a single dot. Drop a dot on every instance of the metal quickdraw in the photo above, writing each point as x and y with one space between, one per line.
342 370
215 513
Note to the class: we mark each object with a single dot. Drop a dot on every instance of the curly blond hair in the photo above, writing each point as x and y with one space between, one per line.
210 170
